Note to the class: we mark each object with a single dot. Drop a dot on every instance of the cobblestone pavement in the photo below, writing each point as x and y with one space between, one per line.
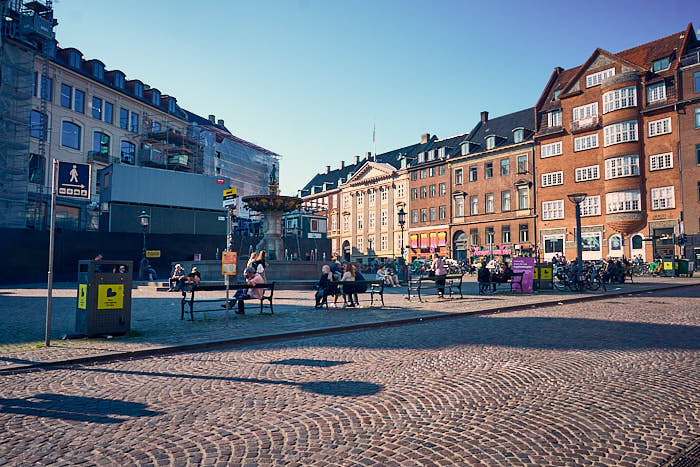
610 382
156 318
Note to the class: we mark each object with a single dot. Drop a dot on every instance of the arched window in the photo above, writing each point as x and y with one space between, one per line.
636 242
615 243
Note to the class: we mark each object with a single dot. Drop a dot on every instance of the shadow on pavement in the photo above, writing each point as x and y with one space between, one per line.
308 362
76 408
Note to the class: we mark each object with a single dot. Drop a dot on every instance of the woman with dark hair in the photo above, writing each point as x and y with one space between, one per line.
348 289
259 264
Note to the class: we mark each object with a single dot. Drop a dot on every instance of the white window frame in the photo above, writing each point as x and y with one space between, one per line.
370 220
621 132
659 127
371 196
595 79
360 198
583 143
552 209
474 205
622 201
551 149
489 204
552 178
583 112
360 221
622 166
661 161
334 223
383 242
589 172
554 118
346 223
360 244
459 206
346 201
662 198
384 193
384 218
590 206
490 142
656 92
620 99
399 190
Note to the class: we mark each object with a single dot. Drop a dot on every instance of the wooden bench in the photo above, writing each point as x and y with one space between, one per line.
492 287
267 293
373 287
452 282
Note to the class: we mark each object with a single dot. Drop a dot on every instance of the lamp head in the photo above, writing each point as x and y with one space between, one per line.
144 219
402 216
577 198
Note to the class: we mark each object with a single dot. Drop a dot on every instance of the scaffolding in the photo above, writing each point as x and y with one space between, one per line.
165 148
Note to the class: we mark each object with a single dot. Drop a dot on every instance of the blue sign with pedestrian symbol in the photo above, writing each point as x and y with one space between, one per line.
73 180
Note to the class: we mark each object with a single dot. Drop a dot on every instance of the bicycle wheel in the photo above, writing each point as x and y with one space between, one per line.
593 284
561 283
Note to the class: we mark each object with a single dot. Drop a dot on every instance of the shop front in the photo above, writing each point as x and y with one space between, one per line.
425 244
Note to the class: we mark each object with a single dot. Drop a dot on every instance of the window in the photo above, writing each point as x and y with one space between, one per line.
488 170
123 118
433 214
661 64
553 209
424 215
414 193
441 152
155 97
697 154
696 81
441 170
505 201
474 237
37 125
74 59
360 221
659 127
552 178
661 161
138 89
621 132
423 192
79 103
637 242
583 174
697 117
518 135
371 196
505 234
458 176
334 223
524 233
555 97
171 105
596 78
370 220
590 206
522 164
490 208
472 173
554 118
622 166
622 201
421 157
474 205
584 112
360 198
656 92
119 80
384 193
459 206
505 166
346 201
384 217
46 88
432 191
431 171
523 198
134 122
127 152
98 70
66 96
109 112
360 243
100 143
346 223
36 168
70 135
582 143
384 242
442 212
489 235
423 173
551 149
465 148
399 191
97 108
414 175
619 99
414 216
490 142
442 189
663 198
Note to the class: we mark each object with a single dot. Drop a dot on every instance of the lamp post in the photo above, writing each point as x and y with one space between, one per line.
577 199
402 222
144 220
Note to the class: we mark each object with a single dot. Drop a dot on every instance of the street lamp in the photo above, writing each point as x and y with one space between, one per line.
402 222
577 199
369 252
144 220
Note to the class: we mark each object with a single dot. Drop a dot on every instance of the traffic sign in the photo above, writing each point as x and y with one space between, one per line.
230 196
230 192
74 180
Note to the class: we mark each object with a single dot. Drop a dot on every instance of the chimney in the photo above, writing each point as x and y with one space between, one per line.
328 169
221 122
369 157
484 116
212 119
356 160
342 165
424 138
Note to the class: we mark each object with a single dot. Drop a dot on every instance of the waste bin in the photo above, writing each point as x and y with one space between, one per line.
668 265
682 267
542 278
104 297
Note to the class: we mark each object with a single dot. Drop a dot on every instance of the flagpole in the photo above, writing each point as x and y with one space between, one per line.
374 142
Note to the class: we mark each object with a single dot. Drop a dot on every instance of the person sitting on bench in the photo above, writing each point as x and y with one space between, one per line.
484 277
325 287
252 278
177 280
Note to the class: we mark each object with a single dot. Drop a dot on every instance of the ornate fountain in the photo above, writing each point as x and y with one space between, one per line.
272 206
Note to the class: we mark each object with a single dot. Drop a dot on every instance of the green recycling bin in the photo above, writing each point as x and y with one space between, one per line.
682 267
104 297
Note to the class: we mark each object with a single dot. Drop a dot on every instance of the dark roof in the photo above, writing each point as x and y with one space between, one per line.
503 127
199 120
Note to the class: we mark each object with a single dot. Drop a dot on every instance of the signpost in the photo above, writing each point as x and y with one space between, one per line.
229 202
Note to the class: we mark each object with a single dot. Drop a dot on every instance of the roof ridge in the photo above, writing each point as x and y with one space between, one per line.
646 44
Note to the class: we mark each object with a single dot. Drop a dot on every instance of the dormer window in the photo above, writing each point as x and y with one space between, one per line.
421 157
661 64
119 80
74 59
98 70
138 89
431 155
554 118
441 153
465 148
556 95
155 97
490 142
171 105
518 135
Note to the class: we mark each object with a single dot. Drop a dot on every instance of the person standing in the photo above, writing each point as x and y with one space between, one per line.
438 267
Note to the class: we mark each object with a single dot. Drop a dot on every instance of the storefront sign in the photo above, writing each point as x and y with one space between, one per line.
152 253
526 266
496 252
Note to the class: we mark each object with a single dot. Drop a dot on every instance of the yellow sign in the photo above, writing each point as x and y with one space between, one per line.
668 264
110 296
546 274
228 263
230 192
82 296
152 253
536 274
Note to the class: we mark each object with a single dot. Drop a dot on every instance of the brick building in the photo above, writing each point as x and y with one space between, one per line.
492 178
609 128
429 193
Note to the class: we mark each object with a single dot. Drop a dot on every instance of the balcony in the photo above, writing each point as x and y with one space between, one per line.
97 156
584 124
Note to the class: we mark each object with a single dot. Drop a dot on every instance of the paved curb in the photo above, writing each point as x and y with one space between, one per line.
259 338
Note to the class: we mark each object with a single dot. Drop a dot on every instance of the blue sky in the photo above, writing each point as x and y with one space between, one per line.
308 79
